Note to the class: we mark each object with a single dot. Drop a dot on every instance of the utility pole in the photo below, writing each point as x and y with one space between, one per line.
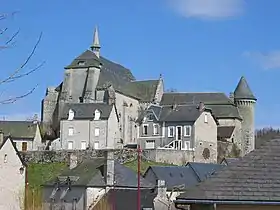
139 176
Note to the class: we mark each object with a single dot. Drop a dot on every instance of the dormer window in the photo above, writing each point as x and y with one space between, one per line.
96 114
81 63
71 114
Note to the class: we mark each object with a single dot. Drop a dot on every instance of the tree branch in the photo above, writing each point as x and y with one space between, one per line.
17 71
14 99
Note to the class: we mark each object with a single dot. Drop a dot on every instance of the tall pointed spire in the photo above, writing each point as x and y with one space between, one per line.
96 44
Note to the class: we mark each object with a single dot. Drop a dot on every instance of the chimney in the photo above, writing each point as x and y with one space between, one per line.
174 107
1 137
73 161
161 201
110 168
201 106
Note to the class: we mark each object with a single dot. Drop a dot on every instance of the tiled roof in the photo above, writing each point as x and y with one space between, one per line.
18 129
255 177
85 60
86 110
225 131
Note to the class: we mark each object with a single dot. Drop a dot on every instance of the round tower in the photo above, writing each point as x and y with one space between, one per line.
246 101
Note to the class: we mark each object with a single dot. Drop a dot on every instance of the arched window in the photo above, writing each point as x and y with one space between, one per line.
71 114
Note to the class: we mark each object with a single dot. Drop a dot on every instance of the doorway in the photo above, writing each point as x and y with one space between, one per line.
178 132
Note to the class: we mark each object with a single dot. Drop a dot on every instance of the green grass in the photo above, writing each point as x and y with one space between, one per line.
39 173
144 165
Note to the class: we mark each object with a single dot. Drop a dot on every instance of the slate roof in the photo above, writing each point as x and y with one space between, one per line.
204 170
225 131
174 176
86 110
187 113
89 59
228 161
18 129
127 198
255 177
90 173
194 98
219 103
243 90
144 90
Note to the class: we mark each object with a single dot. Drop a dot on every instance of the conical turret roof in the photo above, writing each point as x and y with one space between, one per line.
243 90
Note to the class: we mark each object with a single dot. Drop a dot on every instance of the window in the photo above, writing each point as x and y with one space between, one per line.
96 114
24 146
70 145
74 204
150 117
145 129
187 145
171 131
5 158
81 63
156 129
206 118
71 114
187 130
96 132
70 131
96 145
83 145
150 144
179 132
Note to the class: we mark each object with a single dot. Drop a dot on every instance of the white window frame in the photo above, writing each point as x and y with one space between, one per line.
205 118
151 141
83 143
148 117
143 129
187 145
169 133
97 115
185 130
96 143
72 143
96 132
71 131
154 129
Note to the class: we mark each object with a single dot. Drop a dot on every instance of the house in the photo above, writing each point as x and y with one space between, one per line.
91 125
82 186
180 178
12 176
252 182
26 135
180 127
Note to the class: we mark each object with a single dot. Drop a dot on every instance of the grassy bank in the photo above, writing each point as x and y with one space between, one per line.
38 174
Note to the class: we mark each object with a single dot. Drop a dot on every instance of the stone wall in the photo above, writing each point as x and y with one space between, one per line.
125 155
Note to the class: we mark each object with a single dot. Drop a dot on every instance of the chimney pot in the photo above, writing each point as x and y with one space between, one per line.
1 137
201 106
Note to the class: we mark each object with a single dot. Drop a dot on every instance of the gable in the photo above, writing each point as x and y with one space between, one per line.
8 148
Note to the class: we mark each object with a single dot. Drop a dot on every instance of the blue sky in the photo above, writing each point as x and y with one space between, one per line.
198 45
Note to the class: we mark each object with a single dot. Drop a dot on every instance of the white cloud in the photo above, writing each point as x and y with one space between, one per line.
269 60
208 9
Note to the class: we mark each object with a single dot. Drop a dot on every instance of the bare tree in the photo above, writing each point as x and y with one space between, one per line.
7 40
